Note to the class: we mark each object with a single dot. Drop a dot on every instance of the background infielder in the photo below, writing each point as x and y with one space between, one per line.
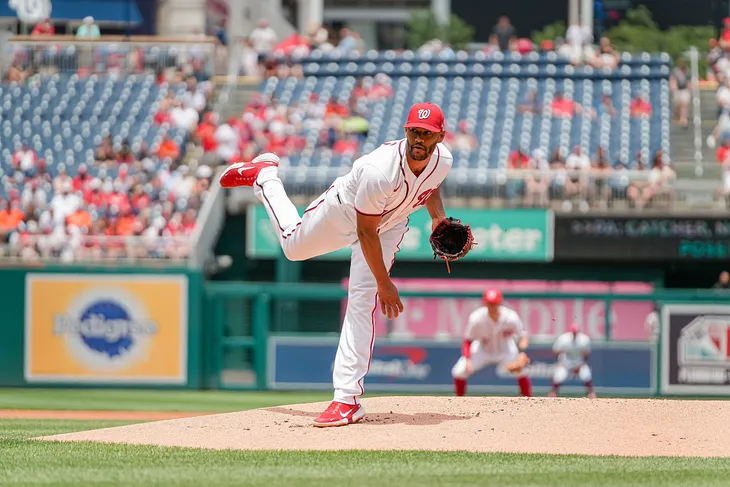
494 335
367 210
573 349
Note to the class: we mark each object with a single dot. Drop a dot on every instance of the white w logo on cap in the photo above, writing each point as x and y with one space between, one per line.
423 114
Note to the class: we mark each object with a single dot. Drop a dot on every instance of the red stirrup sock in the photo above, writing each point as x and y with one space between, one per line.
525 386
460 387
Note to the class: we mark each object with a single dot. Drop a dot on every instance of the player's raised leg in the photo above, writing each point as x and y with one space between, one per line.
354 352
322 229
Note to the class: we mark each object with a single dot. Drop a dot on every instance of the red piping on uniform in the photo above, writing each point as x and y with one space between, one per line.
408 187
438 157
367 214
305 212
375 307
271 207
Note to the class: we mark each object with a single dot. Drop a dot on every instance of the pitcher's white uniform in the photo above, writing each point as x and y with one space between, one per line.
491 342
380 183
572 350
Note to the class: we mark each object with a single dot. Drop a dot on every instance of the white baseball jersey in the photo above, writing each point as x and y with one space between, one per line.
381 183
572 349
495 335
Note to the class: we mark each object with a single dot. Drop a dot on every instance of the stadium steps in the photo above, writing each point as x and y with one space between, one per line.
683 142
239 98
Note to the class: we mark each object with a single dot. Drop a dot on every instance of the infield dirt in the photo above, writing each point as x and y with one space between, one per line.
625 427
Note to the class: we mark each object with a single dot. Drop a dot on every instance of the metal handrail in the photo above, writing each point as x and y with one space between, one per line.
696 111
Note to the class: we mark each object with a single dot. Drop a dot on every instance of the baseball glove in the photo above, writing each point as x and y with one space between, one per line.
518 364
451 240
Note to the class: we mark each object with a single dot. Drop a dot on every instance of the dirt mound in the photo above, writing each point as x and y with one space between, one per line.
628 427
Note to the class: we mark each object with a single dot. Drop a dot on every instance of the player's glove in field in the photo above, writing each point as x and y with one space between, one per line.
451 240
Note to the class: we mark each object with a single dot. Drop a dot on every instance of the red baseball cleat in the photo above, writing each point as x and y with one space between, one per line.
340 414
245 173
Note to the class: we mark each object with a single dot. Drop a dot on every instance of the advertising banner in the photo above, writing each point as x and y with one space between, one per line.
695 349
501 235
130 329
446 318
425 366
642 239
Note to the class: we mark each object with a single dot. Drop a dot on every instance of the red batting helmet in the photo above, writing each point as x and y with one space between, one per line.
573 328
492 296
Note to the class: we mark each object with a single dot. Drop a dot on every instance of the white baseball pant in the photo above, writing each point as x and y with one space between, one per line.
564 369
326 226
480 358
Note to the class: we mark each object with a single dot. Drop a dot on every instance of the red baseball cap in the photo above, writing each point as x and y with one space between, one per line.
425 116
493 296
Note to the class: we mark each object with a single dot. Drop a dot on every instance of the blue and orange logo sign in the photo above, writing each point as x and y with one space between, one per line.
128 329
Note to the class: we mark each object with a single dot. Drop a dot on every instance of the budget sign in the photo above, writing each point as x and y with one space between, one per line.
501 235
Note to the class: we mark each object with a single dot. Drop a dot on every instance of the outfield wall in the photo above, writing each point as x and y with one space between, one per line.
76 326
165 328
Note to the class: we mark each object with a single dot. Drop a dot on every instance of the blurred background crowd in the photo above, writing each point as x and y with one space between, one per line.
110 147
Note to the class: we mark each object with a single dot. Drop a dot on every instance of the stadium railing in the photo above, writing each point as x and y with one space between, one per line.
208 226
111 54
485 187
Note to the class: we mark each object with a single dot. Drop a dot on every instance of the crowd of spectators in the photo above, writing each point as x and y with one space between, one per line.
588 182
719 71
268 125
133 201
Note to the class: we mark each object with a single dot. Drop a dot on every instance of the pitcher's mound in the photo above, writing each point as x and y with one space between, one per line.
629 427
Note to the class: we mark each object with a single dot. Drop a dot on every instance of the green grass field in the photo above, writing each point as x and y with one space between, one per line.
25 462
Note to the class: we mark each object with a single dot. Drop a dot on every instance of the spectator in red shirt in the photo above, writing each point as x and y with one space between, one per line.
188 222
725 34
205 133
82 179
93 195
563 107
349 144
44 28
723 152
140 199
168 149
334 108
518 159
640 107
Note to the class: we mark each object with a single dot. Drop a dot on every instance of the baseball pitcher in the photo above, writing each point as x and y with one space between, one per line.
366 210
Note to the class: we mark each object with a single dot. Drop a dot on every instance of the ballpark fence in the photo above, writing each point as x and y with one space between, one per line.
167 328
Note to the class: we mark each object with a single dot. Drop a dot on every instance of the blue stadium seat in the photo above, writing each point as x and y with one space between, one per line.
485 92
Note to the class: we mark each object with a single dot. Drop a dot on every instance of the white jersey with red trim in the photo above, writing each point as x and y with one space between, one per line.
381 183
572 348
495 336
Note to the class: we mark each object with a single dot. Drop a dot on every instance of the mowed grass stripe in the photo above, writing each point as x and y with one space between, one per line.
143 400
35 463
29 463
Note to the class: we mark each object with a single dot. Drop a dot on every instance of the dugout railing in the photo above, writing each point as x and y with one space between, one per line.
284 336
